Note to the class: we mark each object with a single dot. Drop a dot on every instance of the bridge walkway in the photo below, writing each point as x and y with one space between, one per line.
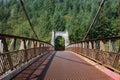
61 65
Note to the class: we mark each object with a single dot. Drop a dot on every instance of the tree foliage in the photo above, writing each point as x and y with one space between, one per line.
59 15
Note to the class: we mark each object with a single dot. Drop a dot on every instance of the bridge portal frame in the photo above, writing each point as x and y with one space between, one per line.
63 34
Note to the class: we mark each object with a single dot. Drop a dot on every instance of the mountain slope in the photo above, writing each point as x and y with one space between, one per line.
59 15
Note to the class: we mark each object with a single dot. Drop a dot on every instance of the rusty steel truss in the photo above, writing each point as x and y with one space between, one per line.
15 51
105 51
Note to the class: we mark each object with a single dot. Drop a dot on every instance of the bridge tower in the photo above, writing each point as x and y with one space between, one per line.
63 34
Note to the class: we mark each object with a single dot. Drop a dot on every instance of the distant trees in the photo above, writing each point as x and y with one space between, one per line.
119 16
59 43
107 22
59 15
49 6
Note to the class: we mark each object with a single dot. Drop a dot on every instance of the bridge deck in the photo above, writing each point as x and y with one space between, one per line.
61 66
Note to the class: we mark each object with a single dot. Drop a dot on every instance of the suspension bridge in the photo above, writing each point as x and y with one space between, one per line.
23 58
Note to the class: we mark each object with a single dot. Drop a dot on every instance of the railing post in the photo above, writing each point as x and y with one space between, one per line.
5 49
102 47
43 47
47 47
87 45
94 45
28 47
40 48
33 47
90 45
112 46
21 45
83 44
74 47
1 46
32 44
27 44
80 48
25 48
36 48
80 45
12 44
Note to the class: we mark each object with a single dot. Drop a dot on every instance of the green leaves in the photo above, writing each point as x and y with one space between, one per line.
59 15
59 43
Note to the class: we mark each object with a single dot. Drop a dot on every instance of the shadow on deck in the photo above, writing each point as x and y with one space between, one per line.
61 65
36 70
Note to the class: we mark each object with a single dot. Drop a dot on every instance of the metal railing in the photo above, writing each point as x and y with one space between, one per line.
104 51
15 51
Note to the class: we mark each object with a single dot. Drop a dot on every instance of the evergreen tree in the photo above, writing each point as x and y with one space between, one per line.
59 15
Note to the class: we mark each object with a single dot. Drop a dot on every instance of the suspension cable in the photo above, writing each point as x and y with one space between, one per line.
94 19
24 9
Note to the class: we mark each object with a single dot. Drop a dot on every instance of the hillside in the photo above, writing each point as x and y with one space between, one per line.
59 15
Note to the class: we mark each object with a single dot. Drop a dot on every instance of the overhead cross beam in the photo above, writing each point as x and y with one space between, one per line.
24 9
94 19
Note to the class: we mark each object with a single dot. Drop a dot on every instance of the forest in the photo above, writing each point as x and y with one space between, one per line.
59 15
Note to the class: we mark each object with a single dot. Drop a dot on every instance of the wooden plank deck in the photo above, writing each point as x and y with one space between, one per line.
61 65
